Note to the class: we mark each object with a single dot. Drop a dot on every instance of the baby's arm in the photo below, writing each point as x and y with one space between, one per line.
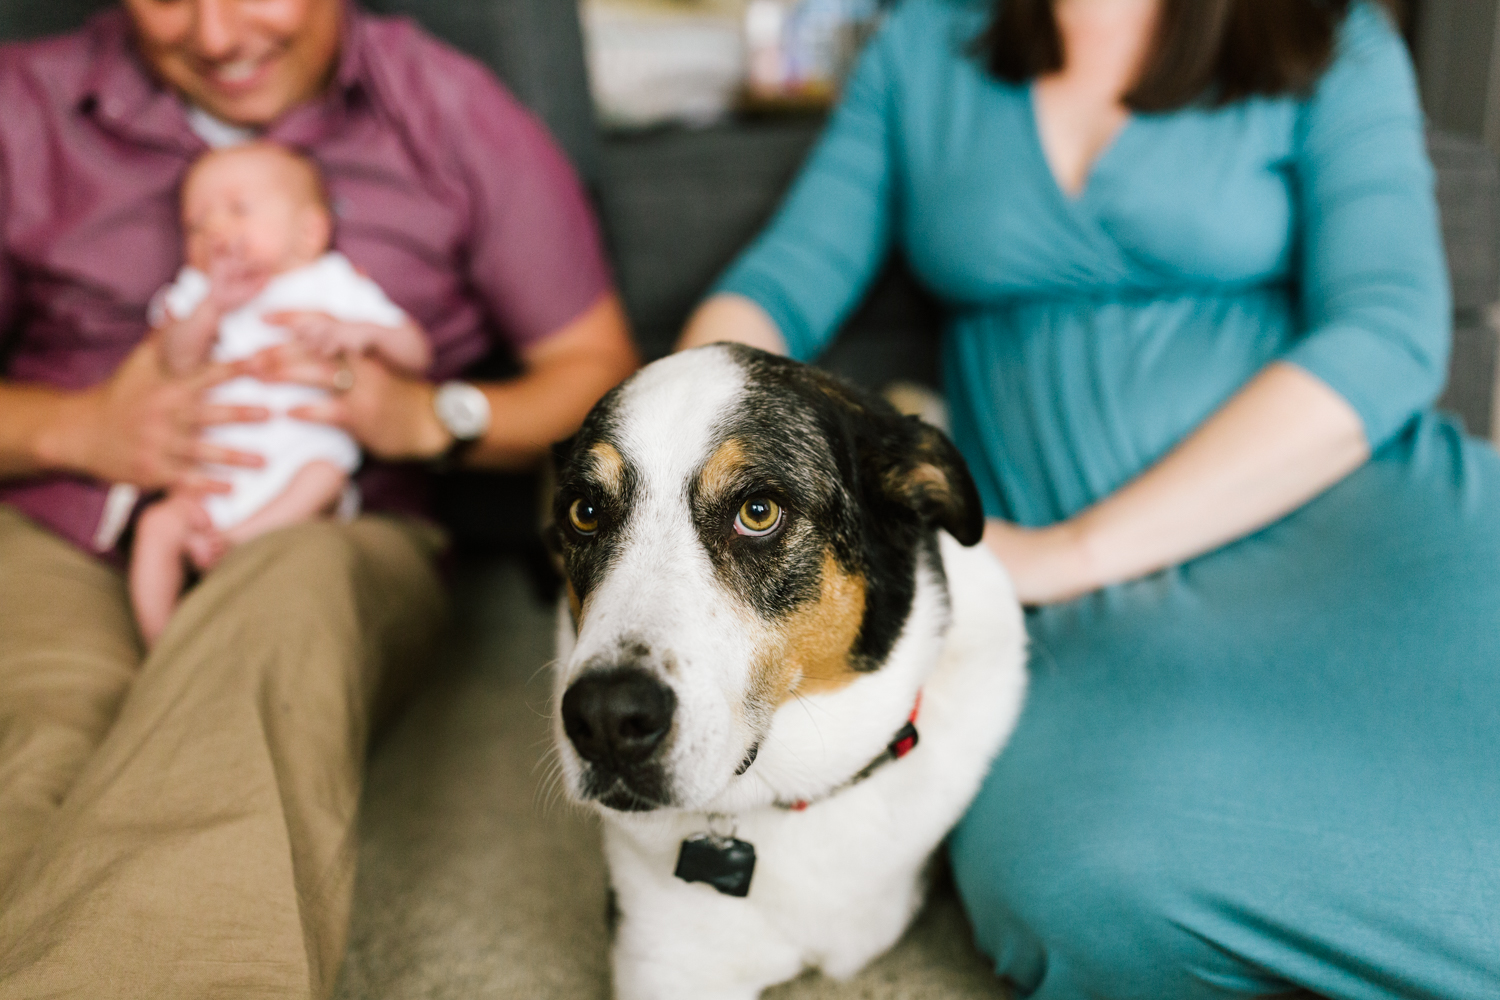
185 343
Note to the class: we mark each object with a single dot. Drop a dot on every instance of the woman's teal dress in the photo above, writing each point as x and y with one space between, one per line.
1277 766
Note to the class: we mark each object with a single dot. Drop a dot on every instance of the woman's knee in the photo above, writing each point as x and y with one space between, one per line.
1068 904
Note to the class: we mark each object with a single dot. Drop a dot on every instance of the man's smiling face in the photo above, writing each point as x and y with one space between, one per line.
242 61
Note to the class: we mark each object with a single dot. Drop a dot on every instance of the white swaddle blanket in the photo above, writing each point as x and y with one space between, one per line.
330 284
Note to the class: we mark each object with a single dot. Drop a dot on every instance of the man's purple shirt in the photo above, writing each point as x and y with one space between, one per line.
445 190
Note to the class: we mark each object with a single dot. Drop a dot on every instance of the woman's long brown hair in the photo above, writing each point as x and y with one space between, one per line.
1214 50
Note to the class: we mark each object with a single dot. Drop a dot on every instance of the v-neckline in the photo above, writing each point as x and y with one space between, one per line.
1106 154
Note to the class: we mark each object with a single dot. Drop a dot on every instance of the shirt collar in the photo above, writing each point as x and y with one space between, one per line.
121 94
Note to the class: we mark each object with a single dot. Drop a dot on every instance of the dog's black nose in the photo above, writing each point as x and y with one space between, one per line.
617 717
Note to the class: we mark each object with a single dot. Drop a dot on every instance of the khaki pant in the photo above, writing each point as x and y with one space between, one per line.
182 824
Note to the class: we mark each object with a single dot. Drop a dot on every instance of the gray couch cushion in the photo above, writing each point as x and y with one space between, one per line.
1469 199
1468 184
20 19
535 46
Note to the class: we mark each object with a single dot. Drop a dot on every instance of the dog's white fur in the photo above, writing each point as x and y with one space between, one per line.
836 884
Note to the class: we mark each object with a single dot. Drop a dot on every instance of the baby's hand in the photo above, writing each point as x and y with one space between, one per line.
326 336
231 283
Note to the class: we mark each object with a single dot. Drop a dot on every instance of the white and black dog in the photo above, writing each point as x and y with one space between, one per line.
767 615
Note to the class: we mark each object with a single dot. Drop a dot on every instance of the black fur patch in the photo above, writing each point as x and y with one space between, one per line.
853 477
585 558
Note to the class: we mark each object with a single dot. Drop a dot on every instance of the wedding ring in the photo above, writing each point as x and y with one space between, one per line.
343 379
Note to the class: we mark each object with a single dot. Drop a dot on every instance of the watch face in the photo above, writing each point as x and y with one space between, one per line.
463 409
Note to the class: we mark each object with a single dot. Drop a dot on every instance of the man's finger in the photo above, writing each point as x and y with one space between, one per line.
199 485
213 454
217 373
329 412
295 318
223 413
297 365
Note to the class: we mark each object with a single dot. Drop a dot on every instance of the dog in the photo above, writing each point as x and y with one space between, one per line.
782 673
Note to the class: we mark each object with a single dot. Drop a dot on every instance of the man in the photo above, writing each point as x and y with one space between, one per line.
182 824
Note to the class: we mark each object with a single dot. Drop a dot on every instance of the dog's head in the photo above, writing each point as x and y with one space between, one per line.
735 529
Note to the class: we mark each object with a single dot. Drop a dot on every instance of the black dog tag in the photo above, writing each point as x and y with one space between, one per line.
723 862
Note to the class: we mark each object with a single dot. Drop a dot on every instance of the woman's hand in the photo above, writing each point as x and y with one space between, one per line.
388 413
1277 443
1046 565
143 426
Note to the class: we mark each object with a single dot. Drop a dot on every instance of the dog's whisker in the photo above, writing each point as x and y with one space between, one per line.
549 665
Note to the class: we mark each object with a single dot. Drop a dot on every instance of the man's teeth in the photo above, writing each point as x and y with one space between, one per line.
236 72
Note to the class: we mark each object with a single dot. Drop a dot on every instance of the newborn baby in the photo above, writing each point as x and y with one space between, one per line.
257 226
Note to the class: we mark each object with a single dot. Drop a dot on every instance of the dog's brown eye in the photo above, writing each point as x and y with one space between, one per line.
584 517
757 517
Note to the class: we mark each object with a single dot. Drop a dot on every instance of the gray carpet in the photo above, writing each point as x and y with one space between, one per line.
475 882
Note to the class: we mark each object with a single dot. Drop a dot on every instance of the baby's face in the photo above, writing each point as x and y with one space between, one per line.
256 210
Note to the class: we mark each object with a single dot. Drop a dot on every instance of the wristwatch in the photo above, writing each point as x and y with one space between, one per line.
464 411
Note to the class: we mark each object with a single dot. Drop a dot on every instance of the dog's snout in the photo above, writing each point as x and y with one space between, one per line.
617 717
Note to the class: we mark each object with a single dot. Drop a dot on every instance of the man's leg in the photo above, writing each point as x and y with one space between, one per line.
68 651
207 848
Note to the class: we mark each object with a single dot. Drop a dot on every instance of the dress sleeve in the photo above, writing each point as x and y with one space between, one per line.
534 253
812 264
1374 287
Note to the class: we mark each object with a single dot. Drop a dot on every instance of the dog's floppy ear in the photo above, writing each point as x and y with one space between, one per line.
922 470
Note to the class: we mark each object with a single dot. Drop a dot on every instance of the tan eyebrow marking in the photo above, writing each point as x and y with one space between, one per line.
719 472
608 466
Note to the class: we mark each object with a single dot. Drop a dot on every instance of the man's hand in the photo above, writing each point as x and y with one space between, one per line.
403 347
143 427
391 414
388 413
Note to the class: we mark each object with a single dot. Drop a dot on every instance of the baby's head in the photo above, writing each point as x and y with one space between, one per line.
260 206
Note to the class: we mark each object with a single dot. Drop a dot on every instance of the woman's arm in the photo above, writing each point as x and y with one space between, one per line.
1280 441
1374 302
727 316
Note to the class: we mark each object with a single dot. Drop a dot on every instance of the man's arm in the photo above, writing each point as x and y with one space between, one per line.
565 375
37 430
142 426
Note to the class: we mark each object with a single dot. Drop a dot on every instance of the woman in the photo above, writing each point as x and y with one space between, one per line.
1199 316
